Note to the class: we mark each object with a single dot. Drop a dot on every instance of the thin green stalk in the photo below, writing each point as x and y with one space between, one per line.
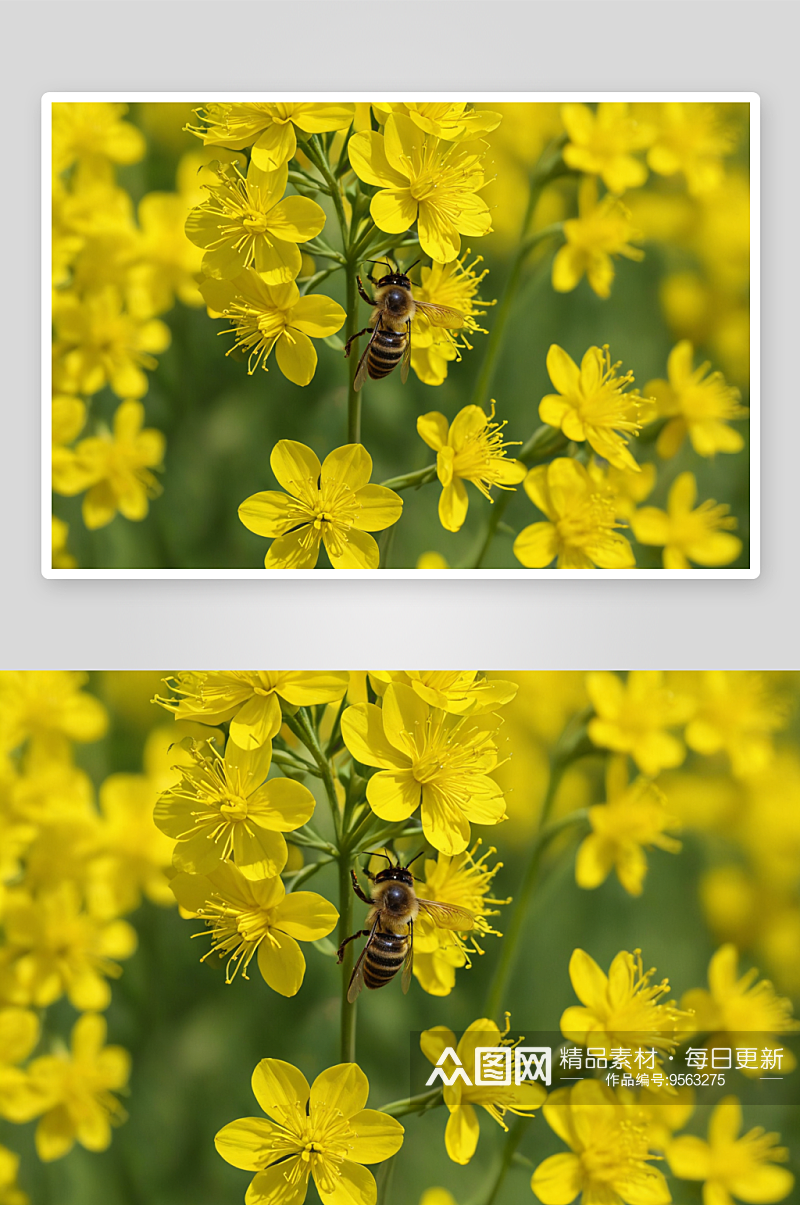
348 1012
353 397
414 1104
409 480
543 838
304 731
513 1139
306 872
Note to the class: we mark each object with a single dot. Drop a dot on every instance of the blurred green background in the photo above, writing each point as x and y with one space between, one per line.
221 425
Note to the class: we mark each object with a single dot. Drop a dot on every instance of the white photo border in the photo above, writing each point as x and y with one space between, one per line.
754 569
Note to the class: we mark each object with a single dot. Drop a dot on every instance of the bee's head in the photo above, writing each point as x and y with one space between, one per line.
398 874
394 277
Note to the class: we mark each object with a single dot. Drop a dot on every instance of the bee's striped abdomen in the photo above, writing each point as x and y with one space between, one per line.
385 352
385 955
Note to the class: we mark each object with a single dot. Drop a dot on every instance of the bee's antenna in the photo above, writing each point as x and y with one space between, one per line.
416 261
376 854
419 855
385 263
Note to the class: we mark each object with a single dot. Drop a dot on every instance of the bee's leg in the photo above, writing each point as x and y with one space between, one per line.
361 290
347 940
357 335
357 889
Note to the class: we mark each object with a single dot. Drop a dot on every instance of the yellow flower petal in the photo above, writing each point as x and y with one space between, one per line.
536 546
306 916
393 210
363 734
318 316
279 1088
368 159
462 1133
296 356
393 795
558 1180
343 1088
296 469
281 963
351 464
378 1136
379 508
246 1144
433 428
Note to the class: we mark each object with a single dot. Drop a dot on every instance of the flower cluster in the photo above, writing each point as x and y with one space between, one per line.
116 270
72 869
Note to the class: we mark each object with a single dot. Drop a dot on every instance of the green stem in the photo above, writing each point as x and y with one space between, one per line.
353 397
414 1104
523 898
409 480
513 1139
304 731
305 873
348 1013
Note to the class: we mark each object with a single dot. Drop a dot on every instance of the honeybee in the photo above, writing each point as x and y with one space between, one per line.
393 308
394 907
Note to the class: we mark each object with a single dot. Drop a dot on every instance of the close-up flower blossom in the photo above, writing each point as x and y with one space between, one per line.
603 229
732 1165
247 221
423 179
331 504
581 529
269 128
454 285
602 143
695 404
462 1099
635 716
594 404
738 715
687 532
692 139
610 1156
273 316
633 818
224 809
430 760
75 1091
250 700
256 919
471 448
323 1132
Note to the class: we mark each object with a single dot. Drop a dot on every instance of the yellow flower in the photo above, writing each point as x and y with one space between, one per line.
94 135
581 528
48 707
54 948
601 143
132 855
602 229
633 717
629 489
737 713
268 127
463 1130
632 820
115 469
610 1145
701 535
224 809
462 692
741 1011
10 1194
62 559
429 758
267 316
250 699
471 448
168 264
244 222
98 343
437 1196
426 180
256 918
450 120
19 1034
621 1008
466 883
592 404
730 1166
695 403
691 138
75 1091
331 503
454 285
323 1131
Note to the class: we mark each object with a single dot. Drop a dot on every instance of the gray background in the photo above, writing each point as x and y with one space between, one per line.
641 45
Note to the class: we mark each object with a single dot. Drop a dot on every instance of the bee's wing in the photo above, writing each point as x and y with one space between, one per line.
406 355
409 962
357 977
361 371
440 315
447 916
